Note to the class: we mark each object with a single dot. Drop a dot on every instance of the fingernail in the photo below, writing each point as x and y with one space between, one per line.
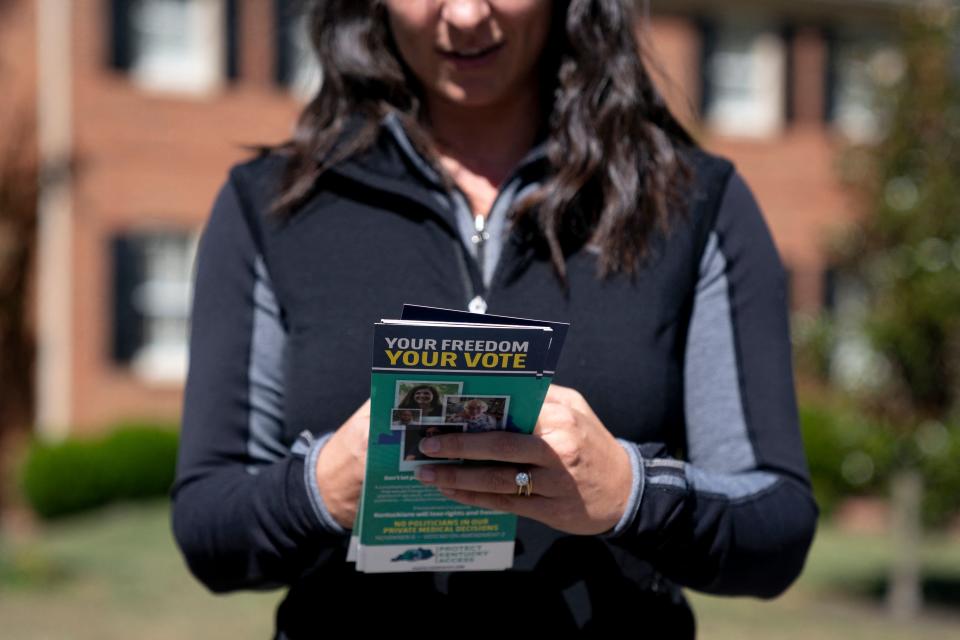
426 474
430 445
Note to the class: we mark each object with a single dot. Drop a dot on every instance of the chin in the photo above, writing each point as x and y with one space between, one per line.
470 98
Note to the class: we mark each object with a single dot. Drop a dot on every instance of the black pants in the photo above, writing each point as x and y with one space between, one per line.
576 587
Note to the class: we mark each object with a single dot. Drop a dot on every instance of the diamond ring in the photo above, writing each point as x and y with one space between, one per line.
524 480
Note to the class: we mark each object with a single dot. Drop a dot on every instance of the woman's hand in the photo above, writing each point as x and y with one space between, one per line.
341 465
581 475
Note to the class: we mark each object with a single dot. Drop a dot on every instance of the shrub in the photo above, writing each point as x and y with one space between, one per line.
939 449
847 454
850 454
132 461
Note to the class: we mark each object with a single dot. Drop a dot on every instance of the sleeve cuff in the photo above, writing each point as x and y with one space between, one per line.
636 492
310 480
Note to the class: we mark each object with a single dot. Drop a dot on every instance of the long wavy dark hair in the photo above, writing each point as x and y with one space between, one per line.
612 144
436 408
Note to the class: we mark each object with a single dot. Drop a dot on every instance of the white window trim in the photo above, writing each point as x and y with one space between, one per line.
159 363
306 76
884 64
766 117
199 76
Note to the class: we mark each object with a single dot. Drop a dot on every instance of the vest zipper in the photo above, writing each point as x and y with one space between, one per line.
478 293
480 300
478 304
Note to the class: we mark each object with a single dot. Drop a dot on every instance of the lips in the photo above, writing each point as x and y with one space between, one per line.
471 57
470 54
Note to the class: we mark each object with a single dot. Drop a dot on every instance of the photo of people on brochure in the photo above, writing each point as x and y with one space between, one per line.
400 418
477 413
425 396
410 455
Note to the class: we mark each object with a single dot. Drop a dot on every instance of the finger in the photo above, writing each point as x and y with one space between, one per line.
559 393
505 446
535 507
570 398
566 396
555 416
502 480
362 411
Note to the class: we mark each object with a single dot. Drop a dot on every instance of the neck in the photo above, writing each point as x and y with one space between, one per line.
488 140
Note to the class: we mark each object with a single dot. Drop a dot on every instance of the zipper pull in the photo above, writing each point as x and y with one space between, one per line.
477 305
479 224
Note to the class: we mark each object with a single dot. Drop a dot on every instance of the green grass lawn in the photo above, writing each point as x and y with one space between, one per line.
839 595
117 574
801 616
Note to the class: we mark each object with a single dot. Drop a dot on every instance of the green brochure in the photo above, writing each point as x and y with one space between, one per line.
431 378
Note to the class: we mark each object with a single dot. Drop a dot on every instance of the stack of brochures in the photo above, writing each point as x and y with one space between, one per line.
439 371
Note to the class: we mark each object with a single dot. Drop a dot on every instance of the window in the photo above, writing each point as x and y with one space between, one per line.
743 83
174 45
152 292
862 65
297 65
855 365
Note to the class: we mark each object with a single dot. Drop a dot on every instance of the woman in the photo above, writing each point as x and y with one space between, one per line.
510 154
423 397
474 416
403 417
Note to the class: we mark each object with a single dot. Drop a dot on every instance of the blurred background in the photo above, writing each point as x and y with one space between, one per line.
120 119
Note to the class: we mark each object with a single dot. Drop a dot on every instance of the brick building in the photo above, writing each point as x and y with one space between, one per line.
155 98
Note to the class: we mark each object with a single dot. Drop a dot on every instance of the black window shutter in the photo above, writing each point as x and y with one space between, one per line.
232 39
829 297
708 48
788 34
127 263
283 23
121 40
830 76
